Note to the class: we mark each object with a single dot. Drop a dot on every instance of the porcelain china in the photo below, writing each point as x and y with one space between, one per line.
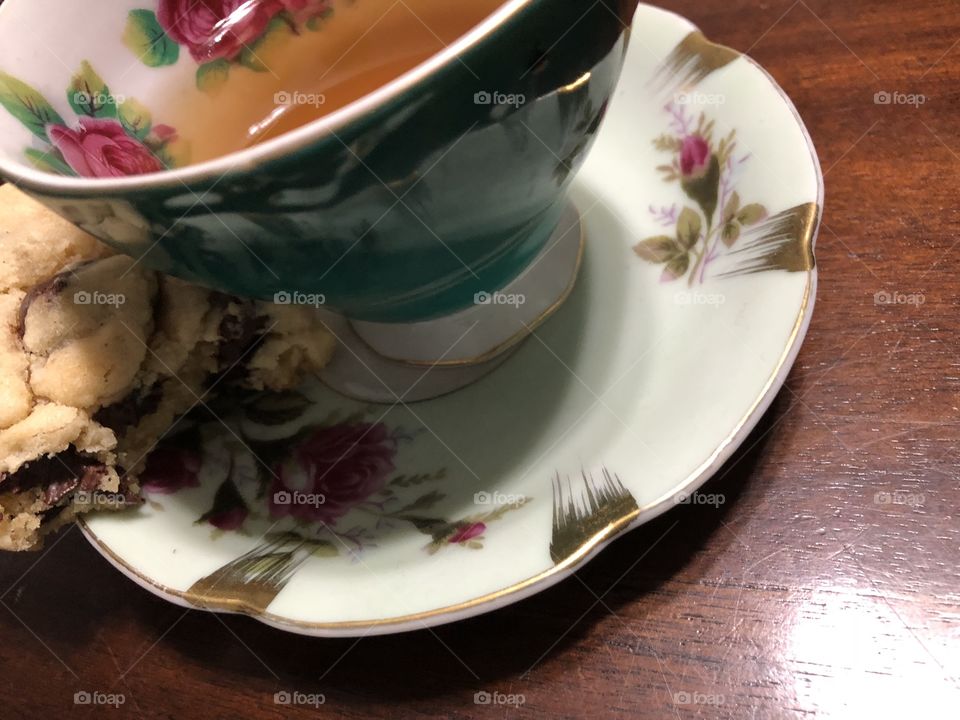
399 206
322 515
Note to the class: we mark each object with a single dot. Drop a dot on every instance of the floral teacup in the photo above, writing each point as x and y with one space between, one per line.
399 206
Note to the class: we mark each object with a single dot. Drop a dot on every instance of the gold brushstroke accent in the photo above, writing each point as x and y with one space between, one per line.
526 587
521 588
250 583
591 510
781 242
692 60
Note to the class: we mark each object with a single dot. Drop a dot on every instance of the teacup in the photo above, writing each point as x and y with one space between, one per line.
400 206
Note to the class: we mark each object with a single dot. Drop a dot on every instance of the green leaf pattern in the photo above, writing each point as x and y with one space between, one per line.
145 37
27 105
88 96
135 118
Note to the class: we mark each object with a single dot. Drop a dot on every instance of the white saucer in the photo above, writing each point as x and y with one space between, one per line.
620 406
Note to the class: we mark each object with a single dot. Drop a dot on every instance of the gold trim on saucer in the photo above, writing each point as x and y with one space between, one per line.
693 59
199 597
782 242
249 583
586 509
594 530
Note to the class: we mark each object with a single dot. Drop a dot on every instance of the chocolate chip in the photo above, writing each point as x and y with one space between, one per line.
238 333
49 287
128 412
59 489
58 475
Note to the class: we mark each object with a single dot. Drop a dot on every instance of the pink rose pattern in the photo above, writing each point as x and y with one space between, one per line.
332 471
694 156
221 29
318 477
214 29
170 470
715 219
101 148
111 138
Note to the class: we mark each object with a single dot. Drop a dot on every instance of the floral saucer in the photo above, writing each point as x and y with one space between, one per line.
322 515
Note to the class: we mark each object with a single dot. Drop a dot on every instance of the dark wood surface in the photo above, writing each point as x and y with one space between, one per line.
805 595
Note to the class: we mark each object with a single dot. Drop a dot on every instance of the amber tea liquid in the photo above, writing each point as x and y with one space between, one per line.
359 46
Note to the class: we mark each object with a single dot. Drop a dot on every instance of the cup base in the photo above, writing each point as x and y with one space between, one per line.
359 373
392 362
498 319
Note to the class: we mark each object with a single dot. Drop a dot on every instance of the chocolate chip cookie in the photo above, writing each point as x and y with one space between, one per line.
99 357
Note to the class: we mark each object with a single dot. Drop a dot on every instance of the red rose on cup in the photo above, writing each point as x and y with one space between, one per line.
170 469
102 148
332 471
214 29
694 156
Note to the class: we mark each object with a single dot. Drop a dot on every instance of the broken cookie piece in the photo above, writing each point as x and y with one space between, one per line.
100 357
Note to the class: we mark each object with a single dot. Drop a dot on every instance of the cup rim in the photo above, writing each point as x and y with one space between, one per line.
285 144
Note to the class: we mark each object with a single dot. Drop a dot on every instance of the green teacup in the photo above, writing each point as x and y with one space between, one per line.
400 206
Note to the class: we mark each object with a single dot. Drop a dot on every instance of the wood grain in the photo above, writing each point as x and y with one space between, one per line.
805 595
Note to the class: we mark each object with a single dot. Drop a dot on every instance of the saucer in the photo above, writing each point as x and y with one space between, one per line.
323 515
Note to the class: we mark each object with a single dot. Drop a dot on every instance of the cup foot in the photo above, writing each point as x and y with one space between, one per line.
498 319
360 373
408 362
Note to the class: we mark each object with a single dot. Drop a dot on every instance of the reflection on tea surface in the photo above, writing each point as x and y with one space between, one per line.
308 65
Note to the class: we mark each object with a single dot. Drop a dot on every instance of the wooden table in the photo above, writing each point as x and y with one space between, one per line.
806 595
